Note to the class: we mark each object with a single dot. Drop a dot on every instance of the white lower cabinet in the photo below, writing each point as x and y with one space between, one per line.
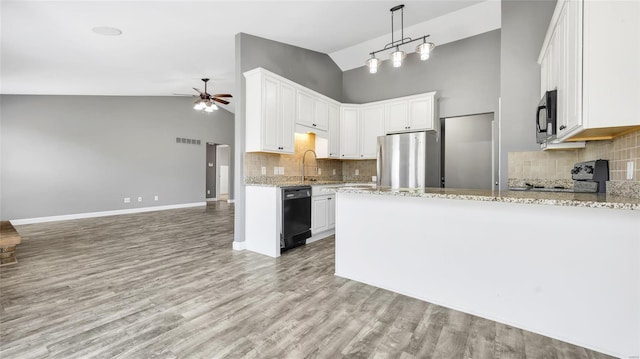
323 217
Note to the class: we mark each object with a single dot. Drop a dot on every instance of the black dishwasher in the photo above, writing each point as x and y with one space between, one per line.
296 217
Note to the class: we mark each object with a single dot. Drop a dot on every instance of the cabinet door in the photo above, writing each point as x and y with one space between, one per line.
421 114
321 114
334 131
371 126
319 212
305 109
573 67
271 126
287 117
560 70
397 118
349 138
331 212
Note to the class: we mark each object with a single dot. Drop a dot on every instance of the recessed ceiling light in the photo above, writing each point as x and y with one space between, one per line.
107 31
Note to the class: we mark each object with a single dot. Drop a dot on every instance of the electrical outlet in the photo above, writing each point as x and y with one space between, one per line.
155 198
139 199
334 171
127 200
630 170
319 171
208 191
275 170
357 172
263 170
374 178
281 170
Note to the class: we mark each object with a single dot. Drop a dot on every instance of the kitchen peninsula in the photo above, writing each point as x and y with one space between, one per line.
563 265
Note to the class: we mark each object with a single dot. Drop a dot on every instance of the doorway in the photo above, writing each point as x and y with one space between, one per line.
222 170
467 152
217 172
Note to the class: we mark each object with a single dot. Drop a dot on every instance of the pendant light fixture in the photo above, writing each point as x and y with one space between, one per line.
397 56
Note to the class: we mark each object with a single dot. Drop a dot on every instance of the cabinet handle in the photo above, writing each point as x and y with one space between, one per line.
563 127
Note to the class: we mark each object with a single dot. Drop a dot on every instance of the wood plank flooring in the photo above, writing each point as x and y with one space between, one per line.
168 285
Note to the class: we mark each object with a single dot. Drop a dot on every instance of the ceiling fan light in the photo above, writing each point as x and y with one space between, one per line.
424 50
209 109
199 106
397 57
373 64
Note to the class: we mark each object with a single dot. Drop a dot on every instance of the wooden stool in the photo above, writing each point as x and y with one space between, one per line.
9 239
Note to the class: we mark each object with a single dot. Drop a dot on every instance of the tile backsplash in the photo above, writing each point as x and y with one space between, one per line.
292 165
554 167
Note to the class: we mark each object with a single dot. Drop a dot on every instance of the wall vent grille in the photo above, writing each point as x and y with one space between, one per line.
187 141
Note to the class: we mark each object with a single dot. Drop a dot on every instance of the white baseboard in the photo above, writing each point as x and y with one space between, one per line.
211 199
231 201
239 246
67 217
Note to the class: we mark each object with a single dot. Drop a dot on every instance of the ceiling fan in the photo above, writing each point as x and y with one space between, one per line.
206 101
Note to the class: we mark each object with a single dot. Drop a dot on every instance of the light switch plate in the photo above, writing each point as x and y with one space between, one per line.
357 172
630 170
281 170
275 170
263 170
139 199
319 171
127 200
155 198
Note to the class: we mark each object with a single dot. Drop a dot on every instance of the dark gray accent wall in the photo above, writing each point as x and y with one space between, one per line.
78 154
308 68
465 73
524 26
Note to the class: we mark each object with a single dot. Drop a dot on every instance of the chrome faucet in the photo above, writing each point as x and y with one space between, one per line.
315 158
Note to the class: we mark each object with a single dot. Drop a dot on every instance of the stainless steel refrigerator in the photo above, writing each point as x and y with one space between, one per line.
409 160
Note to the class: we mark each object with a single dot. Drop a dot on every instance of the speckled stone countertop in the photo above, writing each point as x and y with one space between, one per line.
287 183
547 198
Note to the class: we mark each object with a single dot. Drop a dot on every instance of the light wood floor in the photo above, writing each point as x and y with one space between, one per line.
168 285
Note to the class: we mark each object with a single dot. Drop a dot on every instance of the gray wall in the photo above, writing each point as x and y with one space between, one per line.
311 69
77 154
524 25
466 74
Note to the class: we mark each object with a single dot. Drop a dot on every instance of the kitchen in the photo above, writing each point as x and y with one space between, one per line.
362 241
493 71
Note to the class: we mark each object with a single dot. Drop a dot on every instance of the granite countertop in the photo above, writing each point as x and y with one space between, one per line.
591 200
287 183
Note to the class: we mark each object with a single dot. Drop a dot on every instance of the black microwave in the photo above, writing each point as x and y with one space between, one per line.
546 117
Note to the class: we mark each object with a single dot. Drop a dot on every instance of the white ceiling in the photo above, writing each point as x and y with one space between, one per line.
167 46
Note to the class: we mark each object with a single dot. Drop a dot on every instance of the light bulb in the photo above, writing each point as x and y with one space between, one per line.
199 106
397 57
424 50
373 64
209 109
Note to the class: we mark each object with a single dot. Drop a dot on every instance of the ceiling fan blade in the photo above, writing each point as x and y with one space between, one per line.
184 94
221 101
200 92
222 95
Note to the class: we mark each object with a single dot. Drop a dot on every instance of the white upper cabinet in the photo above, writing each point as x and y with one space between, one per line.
397 118
360 127
274 105
371 126
591 55
349 132
270 113
334 131
411 114
313 111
